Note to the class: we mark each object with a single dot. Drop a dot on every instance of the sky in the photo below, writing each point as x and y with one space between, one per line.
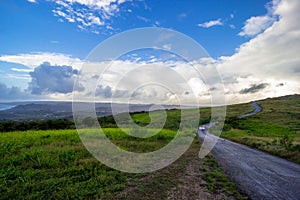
253 45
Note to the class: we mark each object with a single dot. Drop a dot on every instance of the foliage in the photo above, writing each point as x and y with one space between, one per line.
216 179
54 164
286 141
36 125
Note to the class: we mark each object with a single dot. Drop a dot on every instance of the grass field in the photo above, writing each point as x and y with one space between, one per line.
53 164
275 130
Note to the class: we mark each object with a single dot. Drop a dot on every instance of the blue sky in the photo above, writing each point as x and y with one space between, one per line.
62 32
33 27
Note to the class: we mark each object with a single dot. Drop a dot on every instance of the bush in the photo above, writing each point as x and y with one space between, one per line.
286 141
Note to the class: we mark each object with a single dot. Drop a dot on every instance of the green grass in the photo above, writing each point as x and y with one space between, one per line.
54 165
216 180
275 130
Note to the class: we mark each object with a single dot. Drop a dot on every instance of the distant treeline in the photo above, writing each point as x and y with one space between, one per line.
36 125
56 124
172 123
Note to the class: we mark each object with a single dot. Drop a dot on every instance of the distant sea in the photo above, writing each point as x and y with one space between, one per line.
6 106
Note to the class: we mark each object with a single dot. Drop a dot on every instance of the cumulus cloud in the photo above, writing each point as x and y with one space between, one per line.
271 57
52 79
142 82
268 62
103 91
256 25
211 23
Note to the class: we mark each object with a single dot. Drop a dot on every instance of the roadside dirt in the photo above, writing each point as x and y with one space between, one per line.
182 180
192 185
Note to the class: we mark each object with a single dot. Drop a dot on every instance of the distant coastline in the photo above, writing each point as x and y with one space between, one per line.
6 106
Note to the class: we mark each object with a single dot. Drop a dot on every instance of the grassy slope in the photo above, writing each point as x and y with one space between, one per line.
275 130
54 164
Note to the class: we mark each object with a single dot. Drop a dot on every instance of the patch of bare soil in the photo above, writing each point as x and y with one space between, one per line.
181 180
192 186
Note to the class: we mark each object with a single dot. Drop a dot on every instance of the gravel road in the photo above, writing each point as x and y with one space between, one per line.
258 174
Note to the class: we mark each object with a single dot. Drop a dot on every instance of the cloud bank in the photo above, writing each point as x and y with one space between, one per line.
267 65
11 93
271 57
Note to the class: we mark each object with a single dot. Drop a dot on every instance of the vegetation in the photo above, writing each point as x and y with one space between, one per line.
275 130
216 180
157 184
36 125
54 164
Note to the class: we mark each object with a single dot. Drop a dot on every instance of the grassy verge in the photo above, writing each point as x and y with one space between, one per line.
216 180
157 185
275 130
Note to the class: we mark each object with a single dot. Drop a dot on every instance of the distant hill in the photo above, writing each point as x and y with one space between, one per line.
41 110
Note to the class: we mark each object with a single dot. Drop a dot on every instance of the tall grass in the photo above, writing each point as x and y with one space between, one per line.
275 130
55 165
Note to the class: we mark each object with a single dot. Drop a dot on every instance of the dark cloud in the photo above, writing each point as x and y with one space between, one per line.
107 92
12 93
52 79
95 76
254 88
103 91
280 85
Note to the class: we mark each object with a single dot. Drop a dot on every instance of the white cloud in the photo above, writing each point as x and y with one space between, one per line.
35 59
167 46
265 66
18 76
20 70
211 23
90 13
232 26
153 81
270 57
256 25
32 1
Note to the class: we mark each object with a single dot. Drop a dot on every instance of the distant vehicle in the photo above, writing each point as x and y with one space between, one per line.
202 128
